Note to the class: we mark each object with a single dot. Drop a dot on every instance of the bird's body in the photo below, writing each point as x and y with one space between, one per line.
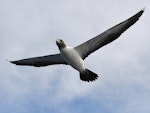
72 57
75 56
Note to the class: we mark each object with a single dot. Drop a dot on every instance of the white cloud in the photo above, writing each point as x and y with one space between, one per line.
30 28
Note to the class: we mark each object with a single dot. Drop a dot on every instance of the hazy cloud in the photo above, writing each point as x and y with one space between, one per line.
29 28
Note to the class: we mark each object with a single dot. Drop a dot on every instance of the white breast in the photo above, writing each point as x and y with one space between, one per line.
73 58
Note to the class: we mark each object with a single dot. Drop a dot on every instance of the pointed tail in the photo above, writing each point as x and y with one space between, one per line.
88 76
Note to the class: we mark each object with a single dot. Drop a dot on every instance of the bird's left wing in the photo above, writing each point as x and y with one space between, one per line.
106 37
41 61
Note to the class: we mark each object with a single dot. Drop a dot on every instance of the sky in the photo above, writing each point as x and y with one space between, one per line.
29 28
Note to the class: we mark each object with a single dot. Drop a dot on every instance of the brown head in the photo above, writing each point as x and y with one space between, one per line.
60 43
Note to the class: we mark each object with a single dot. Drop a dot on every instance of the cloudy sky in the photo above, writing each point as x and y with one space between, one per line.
29 28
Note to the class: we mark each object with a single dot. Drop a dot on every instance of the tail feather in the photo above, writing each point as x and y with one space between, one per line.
88 76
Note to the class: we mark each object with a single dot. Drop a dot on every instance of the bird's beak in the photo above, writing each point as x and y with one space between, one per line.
58 42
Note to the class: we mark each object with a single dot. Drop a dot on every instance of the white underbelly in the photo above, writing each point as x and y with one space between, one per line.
73 58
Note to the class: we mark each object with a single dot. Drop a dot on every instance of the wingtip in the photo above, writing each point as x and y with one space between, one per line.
142 11
13 62
139 14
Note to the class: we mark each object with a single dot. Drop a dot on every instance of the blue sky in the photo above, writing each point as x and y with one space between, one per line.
29 28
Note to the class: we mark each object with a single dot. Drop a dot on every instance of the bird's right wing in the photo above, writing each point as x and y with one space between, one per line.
41 61
106 37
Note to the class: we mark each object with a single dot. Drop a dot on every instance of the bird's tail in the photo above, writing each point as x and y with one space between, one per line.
88 76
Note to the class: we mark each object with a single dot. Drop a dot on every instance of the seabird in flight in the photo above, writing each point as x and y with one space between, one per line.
74 56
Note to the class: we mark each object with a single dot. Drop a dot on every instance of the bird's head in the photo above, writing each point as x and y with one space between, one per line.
60 43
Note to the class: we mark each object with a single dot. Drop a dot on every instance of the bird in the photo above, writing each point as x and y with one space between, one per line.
75 56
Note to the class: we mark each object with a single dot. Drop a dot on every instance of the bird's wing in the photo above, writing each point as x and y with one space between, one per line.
41 61
106 37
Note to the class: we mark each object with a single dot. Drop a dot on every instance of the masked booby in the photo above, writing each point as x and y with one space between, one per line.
74 56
